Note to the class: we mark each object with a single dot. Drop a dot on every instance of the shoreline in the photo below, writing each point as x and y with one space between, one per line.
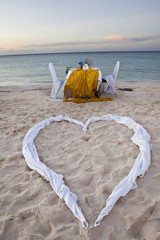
49 86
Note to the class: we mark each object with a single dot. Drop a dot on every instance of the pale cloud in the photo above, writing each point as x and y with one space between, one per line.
121 38
109 38
109 42
116 37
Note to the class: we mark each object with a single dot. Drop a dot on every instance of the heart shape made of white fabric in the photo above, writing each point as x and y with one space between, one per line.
142 162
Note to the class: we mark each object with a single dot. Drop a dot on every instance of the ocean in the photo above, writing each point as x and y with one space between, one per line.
29 70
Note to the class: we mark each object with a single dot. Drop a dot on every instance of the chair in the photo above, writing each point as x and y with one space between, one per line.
110 80
57 83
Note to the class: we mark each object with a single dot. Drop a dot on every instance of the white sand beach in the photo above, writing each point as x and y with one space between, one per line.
92 164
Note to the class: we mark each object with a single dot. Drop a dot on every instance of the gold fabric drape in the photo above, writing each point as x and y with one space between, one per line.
81 86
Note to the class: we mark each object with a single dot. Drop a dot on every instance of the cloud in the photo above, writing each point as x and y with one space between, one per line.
110 38
51 47
116 37
61 44
121 38
110 42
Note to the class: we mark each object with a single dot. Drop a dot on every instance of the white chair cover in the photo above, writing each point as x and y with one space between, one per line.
111 80
57 83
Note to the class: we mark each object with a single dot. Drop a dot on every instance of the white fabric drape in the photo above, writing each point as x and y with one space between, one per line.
140 138
109 87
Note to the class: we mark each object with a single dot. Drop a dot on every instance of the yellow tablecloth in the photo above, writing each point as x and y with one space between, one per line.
81 86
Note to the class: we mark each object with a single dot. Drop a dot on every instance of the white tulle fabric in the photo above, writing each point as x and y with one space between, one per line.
140 138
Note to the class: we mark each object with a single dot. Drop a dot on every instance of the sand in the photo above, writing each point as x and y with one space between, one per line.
92 163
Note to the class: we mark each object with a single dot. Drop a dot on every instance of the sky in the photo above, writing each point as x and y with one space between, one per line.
48 26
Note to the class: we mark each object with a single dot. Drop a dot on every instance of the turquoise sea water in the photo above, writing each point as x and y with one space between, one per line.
33 69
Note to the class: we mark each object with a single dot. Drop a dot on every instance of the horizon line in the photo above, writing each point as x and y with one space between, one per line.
45 53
